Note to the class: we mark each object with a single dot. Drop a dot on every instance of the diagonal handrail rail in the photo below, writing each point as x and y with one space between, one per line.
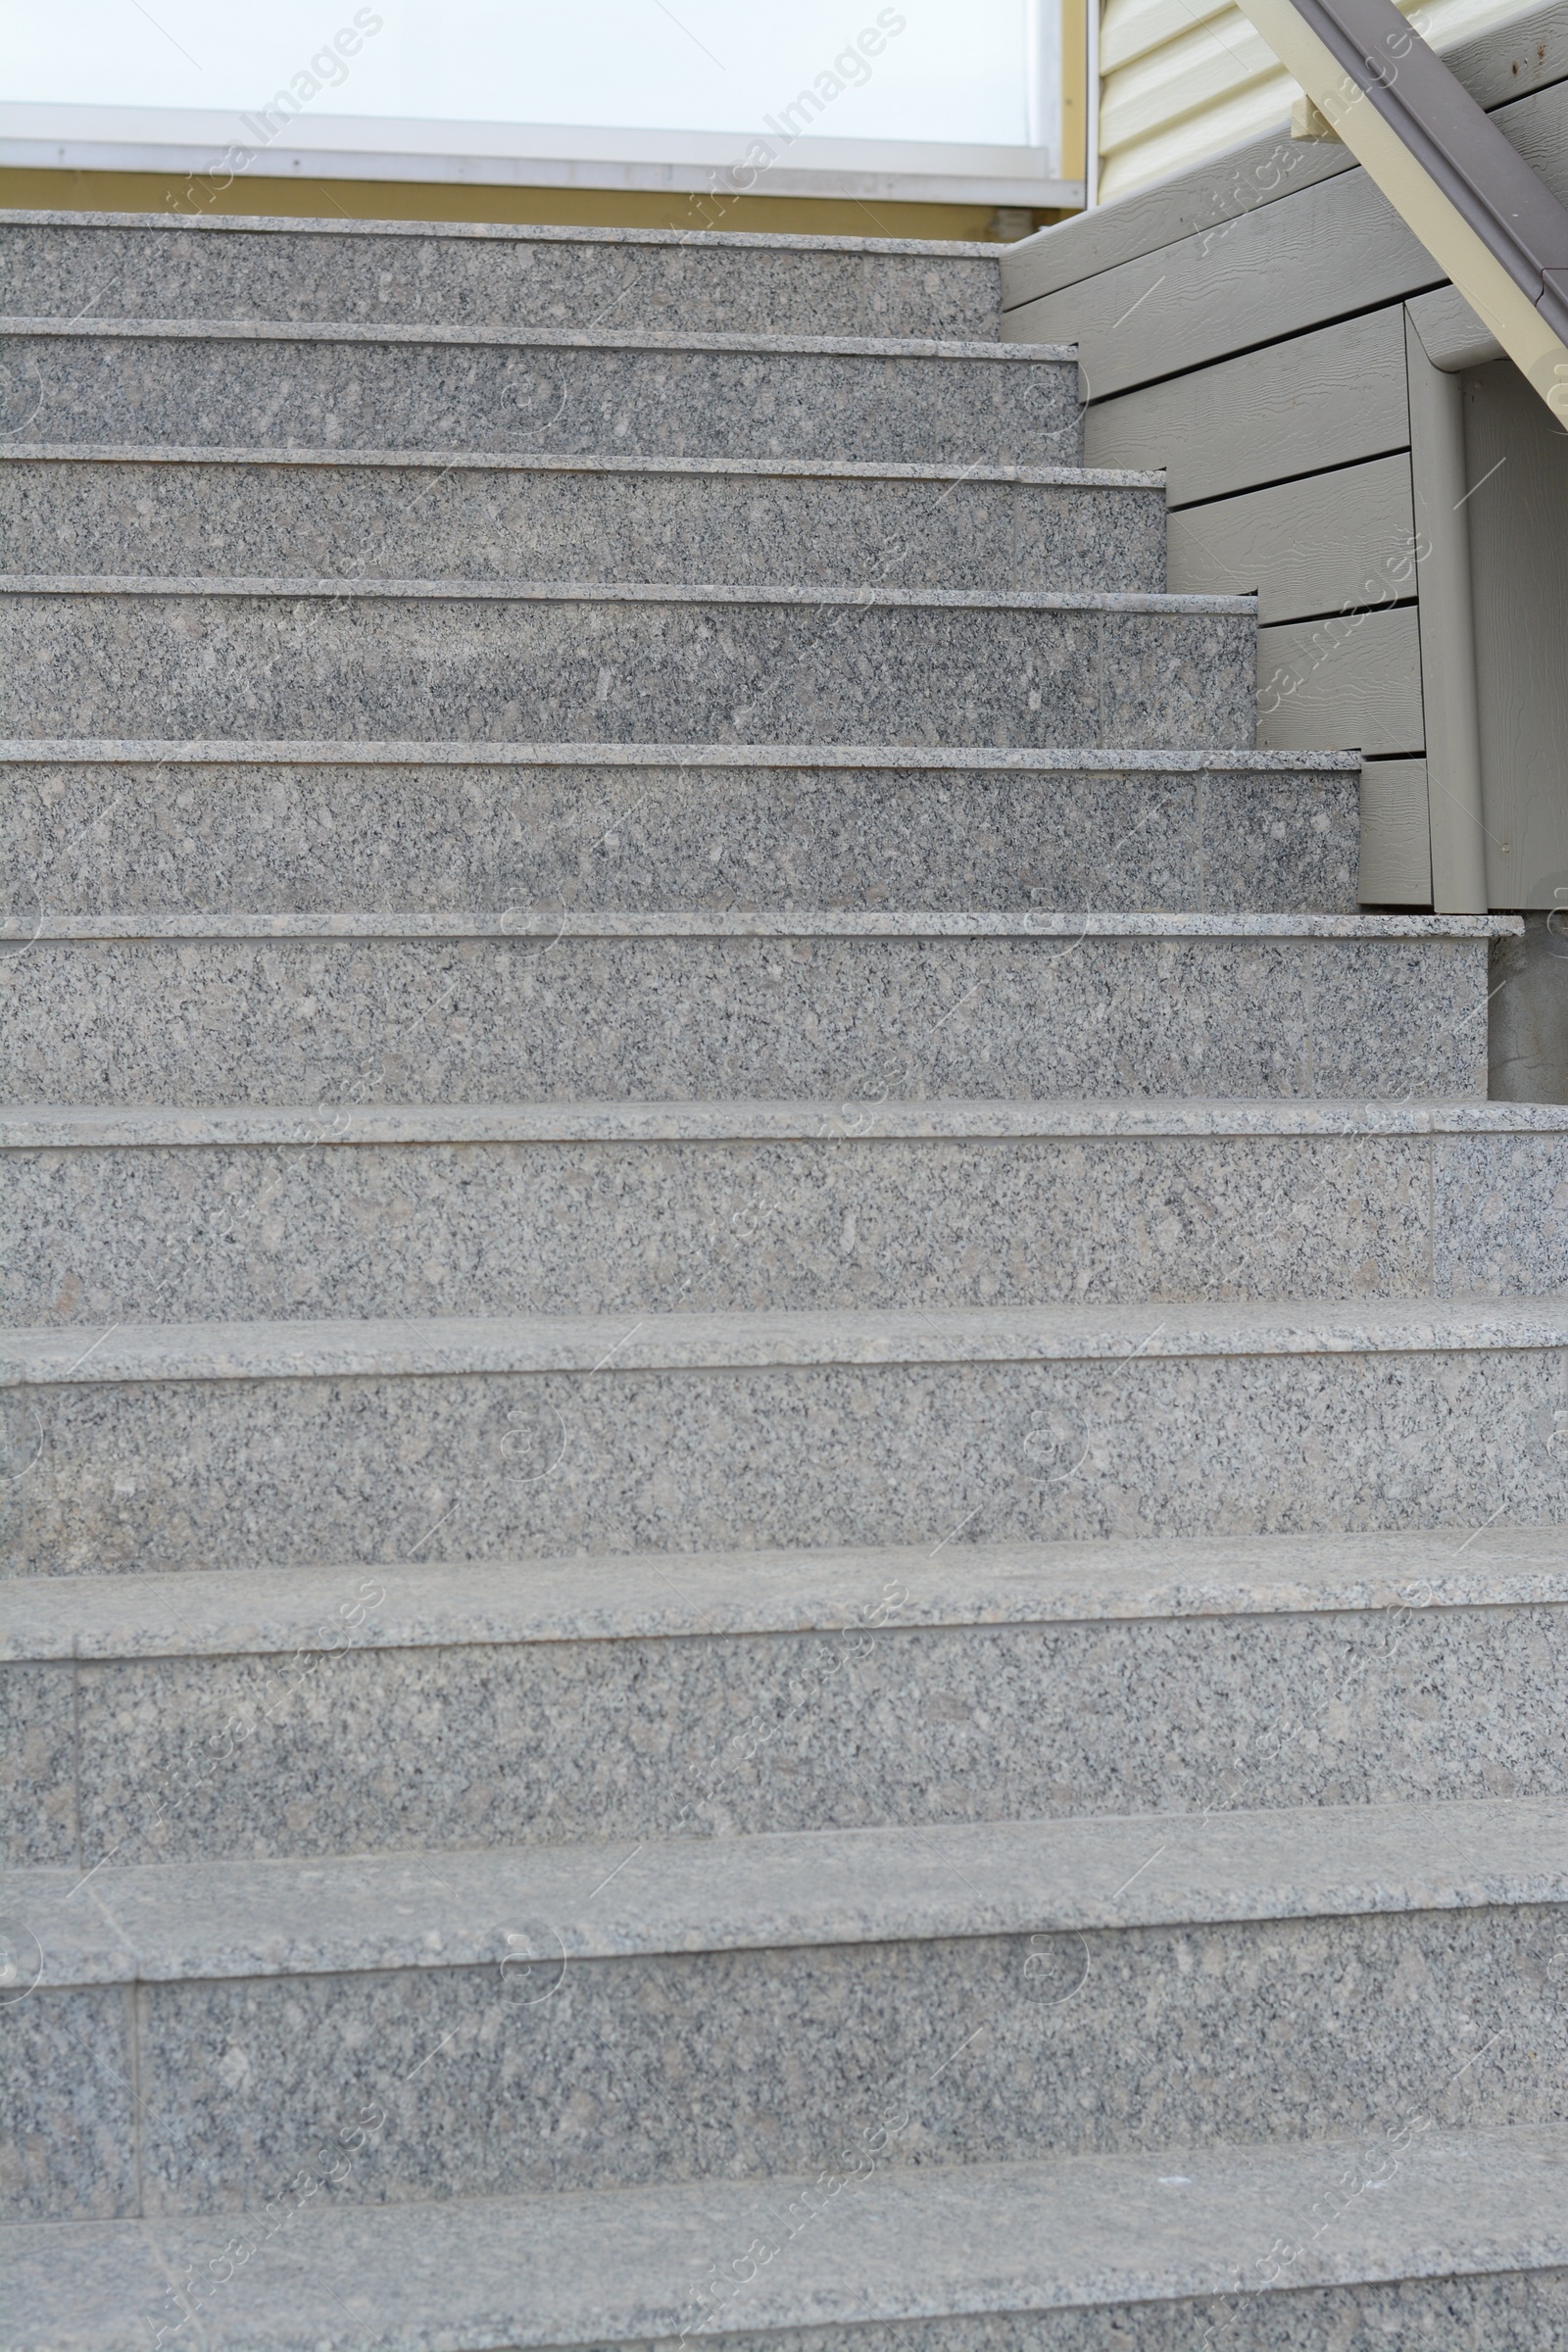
1472 200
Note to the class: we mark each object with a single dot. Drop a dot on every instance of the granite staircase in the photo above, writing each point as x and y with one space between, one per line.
786 1437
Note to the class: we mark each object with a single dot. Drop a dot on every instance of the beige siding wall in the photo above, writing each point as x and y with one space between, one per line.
1181 80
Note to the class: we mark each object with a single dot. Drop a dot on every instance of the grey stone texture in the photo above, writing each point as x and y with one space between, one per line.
761 1589
1408 2231
1529 1022
494 275
391 1749
599 518
549 392
38 1792
68 2093
531 1345
817 1218
1527 2309
282 1612
146 1473
749 2064
659 2033
837 1011
635 664
613 826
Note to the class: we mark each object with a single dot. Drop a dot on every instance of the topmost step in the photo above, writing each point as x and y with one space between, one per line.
163 266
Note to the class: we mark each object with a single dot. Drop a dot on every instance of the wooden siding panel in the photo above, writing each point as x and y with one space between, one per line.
1274 274
1517 465
1322 400
1395 865
1352 683
1497 67
1308 547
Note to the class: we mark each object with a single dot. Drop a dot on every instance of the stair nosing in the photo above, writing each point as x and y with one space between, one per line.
938 349
630 592
209 1920
1046 759
333 1607
502 461
866 2240
586 1345
762 923
155 1127
504 233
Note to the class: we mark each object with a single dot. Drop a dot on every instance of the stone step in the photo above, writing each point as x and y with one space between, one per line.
590 661
225 827
241 1445
616 2013
1414 2235
353 1010
609 1208
494 275
168 513
562 391
331 1710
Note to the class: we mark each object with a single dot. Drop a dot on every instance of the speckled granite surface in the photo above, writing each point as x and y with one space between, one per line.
552 2071
348 1227
69 1126
388 1748
597 661
577 1011
403 1706
549 391
234 1472
1525 2309
433 1345
658 1597
1185 1837
494 275
1083 2251
584 520
729 826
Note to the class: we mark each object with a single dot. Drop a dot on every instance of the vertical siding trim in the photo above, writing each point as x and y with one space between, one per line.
1447 634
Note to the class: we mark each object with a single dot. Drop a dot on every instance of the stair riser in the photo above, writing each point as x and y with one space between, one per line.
597 2072
395 523
173 1760
236 1473
219 392
494 280
844 1021
230 837
259 1233
369 668
1528 2310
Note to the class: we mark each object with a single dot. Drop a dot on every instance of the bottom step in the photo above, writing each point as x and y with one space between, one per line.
1406 2237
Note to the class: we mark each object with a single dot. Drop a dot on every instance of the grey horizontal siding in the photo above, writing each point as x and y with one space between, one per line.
1330 542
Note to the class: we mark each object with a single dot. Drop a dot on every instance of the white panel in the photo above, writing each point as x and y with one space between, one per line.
180 139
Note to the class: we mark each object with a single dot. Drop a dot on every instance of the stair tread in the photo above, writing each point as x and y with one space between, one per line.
587 1343
500 232
760 924
554 338
582 2268
92 1127
167 1922
628 592
363 751
330 1604
509 460
1405 2201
